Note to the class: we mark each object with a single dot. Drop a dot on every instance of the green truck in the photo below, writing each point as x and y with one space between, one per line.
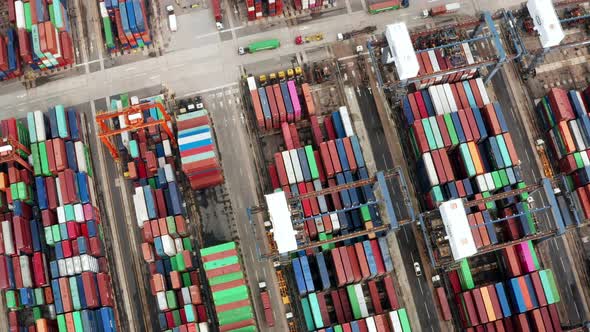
254 47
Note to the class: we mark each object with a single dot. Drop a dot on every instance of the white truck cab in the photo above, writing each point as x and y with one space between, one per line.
171 18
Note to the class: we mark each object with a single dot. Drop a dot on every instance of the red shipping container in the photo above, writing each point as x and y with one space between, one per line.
340 274
327 159
374 292
362 260
329 128
280 103
538 288
465 126
349 154
443 304
547 324
491 121
511 261
104 289
483 232
334 156
40 276
444 133
495 302
474 231
390 291
354 263
295 136
560 105
66 296
479 306
345 304
337 305
273 107
470 311
554 317
423 112
378 257
346 265
476 93
416 112
90 290
420 136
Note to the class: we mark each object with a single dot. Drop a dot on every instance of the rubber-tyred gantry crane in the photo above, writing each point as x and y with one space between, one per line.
133 117
10 150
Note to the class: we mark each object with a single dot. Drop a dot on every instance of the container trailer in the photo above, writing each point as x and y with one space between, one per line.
254 47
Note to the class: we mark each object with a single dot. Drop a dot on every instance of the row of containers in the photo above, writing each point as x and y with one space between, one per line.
278 103
258 9
339 160
526 300
125 24
229 288
198 154
166 246
563 117
434 61
464 149
38 36
53 271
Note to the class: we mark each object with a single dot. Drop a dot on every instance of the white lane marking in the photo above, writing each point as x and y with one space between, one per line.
426 307
422 291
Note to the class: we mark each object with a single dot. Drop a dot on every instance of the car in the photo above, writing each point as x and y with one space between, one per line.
417 269
171 18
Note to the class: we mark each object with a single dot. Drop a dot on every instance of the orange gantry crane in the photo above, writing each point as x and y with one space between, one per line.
10 152
133 117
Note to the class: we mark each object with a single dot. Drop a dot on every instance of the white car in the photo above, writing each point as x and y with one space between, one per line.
171 18
417 269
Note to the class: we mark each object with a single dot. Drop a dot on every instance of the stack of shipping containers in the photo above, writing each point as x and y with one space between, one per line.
125 24
377 6
433 61
38 36
525 301
198 155
333 281
228 287
52 261
463 148
563 117
166 245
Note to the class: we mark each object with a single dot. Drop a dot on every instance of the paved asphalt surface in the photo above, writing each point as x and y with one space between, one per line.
205 60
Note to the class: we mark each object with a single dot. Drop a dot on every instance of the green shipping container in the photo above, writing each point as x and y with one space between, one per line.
226 278
313 166
365 213
171 225
235 315
504 178
43 158
56 233
176 317
467 161
354 302
403 318
338 328
189 310
220 263
465 276
429 135
549 287
133 149
108 32
36 159
315 311
497 181
529 218
62 124
436 132
39 296
578 159
218 248
451 129
186 244
534 255
504 151
61 323
307 314
11 299
75 295
414 143
28 18
436 194
230 295
77 316
186 279
171 299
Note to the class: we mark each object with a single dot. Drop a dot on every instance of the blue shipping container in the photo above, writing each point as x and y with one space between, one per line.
299 280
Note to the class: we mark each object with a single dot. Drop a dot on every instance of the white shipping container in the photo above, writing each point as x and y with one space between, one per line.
40 126
288 167
371 327
490 181
61 264
186 295
168 245
335 222
89 263
585 159
162 304
92 192
69 266
7 239
358 289
468 54
59 198
19 10
296 165
161 162
25 269
169 173
194 138
79 212
482 91
438 109
81 157
442 96
395 323
178 244
346 121
319 224
103 10
203 327
481 183
450 97
167 148
581 101
140 208
577 135
61 215
433 61
77 264
430 170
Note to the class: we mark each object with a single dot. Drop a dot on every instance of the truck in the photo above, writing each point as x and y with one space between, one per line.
270 320
269 44
171 18
440 10
347 35
217 14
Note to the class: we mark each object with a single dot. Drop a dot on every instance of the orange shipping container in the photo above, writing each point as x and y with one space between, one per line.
525 293
566 134
488 304
308 98
195 292
476 158
148 253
